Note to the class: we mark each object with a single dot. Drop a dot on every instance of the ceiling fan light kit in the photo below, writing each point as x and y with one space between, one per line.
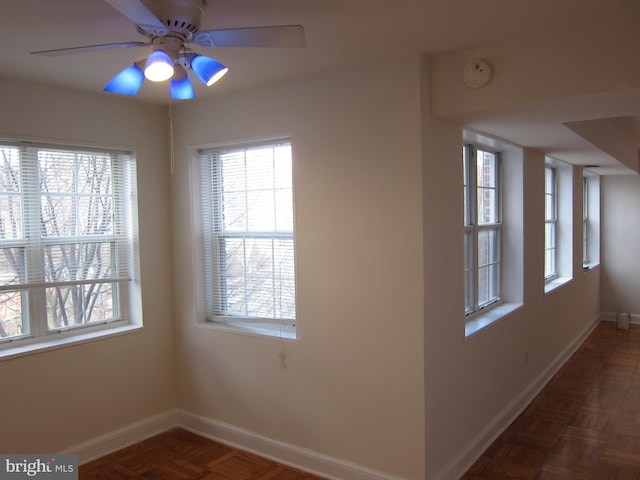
159 67
168 26
208 70
127 82
181 89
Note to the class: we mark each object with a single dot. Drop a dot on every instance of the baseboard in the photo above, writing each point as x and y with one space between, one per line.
613 316
292 455
112 441
315 462
459 464
287 454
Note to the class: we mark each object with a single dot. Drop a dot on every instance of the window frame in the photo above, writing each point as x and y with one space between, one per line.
551 225
585 221
474 227
205 199
591 221
565 182
34 241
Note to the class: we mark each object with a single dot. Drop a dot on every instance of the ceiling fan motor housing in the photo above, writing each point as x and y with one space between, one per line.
180 16
169 43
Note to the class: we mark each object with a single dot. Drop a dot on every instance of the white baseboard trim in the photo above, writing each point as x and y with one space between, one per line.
459 464
612 317
112 441
315 462
294 456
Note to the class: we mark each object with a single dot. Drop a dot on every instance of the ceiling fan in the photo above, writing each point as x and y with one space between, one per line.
170 26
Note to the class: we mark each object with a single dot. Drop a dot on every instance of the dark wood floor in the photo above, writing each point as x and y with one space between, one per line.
181 455
584 425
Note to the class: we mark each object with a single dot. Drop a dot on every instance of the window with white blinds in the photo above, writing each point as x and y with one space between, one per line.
248 234
67 219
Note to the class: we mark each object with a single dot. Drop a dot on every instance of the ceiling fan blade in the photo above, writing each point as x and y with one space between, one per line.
282 36
89 48
139 14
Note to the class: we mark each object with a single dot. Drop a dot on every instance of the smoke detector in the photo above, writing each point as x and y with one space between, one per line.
476 73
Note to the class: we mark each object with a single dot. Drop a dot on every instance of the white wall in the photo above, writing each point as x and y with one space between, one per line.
381 375
57 399
561 91
474 385
352 389
489 377
619 250
544 68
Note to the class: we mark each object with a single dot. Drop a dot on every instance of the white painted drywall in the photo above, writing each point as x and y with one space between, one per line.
57 399
353 386
619 250
471 383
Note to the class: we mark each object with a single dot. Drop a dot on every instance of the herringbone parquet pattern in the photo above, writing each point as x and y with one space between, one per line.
182 455
584 425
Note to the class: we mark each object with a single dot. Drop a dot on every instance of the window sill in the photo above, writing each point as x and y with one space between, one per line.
556 283
482 319
252 328
589 266
52 342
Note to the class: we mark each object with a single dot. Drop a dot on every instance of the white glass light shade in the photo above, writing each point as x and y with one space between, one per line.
127 82
159 67
208 70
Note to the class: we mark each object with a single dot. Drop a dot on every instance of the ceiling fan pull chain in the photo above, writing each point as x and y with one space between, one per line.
172 160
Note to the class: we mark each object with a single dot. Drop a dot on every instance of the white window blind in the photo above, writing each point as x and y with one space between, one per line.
248 229
66 237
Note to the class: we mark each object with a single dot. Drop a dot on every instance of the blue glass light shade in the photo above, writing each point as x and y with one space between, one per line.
181 89
207 69
127 82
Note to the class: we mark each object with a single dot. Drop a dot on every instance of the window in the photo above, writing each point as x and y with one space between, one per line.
248 235
494 173
591 221
67 219
551 223
558 218
585 222
482 222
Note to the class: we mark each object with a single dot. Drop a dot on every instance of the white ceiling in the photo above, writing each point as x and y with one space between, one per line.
339 33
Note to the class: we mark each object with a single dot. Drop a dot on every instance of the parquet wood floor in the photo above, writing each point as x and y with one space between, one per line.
182 455
584 425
